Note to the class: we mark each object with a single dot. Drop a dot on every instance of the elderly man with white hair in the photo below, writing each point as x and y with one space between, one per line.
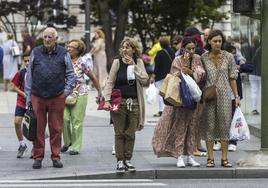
49 80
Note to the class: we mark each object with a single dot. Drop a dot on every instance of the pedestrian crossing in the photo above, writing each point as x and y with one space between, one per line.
80 183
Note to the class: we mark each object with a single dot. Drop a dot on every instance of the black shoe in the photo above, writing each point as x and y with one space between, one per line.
129 166
255 112
32 154
57 164
65 148
120 167
73 152
158 114
37 164
21 151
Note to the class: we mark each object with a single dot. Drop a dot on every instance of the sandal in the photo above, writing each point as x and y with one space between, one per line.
226 163
210 163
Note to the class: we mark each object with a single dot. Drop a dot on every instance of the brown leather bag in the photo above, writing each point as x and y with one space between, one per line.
210 93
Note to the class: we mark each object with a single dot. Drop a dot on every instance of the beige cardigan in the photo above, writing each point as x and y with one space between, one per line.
141 78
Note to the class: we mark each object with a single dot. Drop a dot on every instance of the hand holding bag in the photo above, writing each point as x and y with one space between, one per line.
239 128
72 98
116 99
29 124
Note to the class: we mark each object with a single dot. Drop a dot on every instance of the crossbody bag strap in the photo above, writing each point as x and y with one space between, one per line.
217 76
168 54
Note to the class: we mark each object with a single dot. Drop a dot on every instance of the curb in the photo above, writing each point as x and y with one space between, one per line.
254 131
191 173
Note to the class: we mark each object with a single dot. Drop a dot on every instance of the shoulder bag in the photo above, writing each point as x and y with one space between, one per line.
72 98
29 124
210 93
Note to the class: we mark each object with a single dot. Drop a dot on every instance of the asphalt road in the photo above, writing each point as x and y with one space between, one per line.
141 183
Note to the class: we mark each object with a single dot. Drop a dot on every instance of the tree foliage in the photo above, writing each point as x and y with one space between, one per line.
34 12
151 18
206 12
112 15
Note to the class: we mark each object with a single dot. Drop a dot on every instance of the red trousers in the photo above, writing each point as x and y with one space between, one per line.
51 110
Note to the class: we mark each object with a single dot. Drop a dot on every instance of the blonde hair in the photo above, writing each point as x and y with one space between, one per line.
81 46
164 41
100 33
134 44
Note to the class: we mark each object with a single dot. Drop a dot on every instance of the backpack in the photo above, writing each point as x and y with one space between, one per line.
22 75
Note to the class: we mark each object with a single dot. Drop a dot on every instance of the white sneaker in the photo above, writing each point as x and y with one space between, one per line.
113 150
120 167
180 162
231 147
217 146
192 162
129 166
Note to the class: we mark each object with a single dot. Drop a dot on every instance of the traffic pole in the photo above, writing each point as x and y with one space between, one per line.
264 77
87 24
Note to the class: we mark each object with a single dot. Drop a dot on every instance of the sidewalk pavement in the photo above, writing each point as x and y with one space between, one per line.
96 161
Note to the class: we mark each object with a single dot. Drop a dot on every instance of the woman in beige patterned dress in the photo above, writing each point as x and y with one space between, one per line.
174 134
221 70
100 60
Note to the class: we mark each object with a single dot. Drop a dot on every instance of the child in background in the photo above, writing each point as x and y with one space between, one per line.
17 84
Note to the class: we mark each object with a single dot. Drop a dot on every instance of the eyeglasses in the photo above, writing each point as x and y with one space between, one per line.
26 61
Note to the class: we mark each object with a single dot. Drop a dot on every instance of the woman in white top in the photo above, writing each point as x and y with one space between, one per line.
10 62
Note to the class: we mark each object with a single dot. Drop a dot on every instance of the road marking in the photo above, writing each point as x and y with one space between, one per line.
87 185
81 183
74 181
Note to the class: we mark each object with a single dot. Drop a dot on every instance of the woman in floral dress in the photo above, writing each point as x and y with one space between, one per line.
174 134
221 71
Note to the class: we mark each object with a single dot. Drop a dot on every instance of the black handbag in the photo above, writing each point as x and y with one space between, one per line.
29 125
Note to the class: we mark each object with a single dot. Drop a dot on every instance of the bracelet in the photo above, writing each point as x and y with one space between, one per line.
237 97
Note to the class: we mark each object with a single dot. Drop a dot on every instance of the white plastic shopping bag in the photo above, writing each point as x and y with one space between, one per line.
239 128
193 87
151 94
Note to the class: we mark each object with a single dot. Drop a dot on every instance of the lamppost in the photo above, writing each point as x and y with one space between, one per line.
87 24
